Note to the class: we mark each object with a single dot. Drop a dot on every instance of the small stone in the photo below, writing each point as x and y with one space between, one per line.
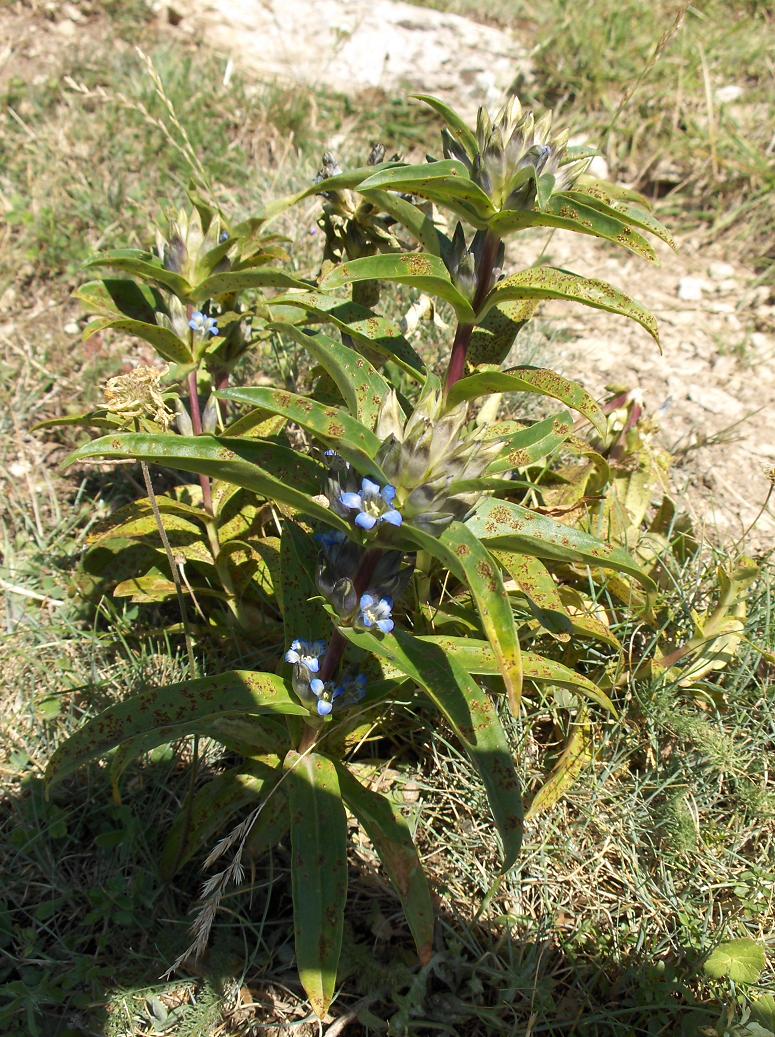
599 167
725 287
720 271
690 289
728 94
760 340
71 328
8 298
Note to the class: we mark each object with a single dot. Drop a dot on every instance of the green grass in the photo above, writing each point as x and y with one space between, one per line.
665 844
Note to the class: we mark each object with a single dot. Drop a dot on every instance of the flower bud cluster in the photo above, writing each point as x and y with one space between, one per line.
512 153
305 658
428 457
192 248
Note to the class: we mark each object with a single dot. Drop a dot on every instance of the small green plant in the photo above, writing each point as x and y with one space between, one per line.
382 534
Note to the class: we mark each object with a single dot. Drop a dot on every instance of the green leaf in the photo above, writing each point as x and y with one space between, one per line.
233 460
493 338
391 837
232 281
120 297
163 714
508 525
568 212
418 223
478 657
763 1011
302 618
165 342
248 785
318 873
533 380
357 321
629 206
532 443
552 283
742 961
536 583
363 389
471 715
486 585
420 269
145 265
574 758
332 425
448 183
456 123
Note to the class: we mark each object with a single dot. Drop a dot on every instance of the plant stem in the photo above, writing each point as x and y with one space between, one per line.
196 421
463 332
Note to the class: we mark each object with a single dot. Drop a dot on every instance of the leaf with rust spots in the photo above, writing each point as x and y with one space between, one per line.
551 283
533 443
356 321
424 271
470 713
269 469
575 757
506 525
319 872
533 380
486 585
332 425
391 837
160 715
447 183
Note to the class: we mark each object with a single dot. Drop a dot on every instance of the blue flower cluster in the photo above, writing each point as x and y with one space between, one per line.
203 325
374 504
305 657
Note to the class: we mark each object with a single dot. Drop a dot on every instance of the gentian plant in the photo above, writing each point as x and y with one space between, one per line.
382 536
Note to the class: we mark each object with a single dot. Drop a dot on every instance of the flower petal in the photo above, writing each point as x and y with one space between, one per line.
324 707
388 494
385 625
395 518
351 500
366 521
316 686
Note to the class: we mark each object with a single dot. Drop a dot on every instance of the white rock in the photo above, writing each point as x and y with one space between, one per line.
727 286
346 45
690 289
729 93
720 271
598 167
71 328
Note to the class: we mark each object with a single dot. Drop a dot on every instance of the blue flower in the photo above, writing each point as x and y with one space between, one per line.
202 325
306 654
373 504
376 612
349 691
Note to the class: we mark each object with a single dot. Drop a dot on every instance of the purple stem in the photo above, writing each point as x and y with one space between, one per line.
463 333
196 421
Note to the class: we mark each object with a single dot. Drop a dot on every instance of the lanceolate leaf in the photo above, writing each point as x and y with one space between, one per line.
145 265
423 271
164 714
447 182
331 424
507 525
120 297
472 717
419 224
536 583
456 123
389 833
164 341
576 755
358 322
567 212
363 389
493 338
232 460
478 657
302 618
239 280
486 585
529 379
532 443
246 786
319 872
551 283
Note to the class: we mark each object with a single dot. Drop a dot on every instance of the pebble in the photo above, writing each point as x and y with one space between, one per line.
729 93
719 271
727 286
71 328
690 289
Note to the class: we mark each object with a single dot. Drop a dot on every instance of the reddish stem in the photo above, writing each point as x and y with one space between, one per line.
196 421
463 333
